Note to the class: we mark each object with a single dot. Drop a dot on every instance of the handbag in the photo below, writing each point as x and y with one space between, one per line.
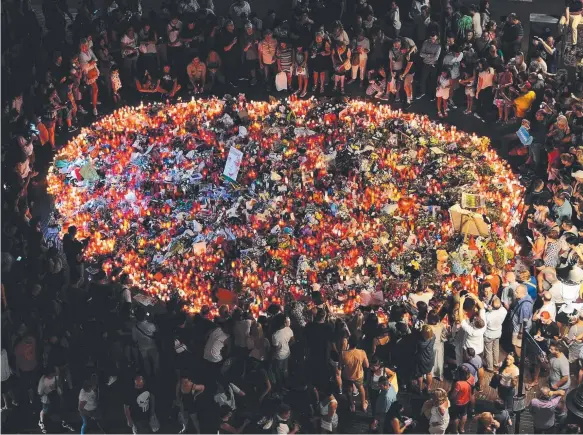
92 75
495 381
281 81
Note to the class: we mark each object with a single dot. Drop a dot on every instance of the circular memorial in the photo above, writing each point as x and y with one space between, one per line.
229 201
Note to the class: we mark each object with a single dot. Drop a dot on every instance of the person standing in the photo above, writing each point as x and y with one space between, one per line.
430 51
143 335
387 396
320 60
230 52
508 381
543 409
88 405
50 396
439 413
320 342
572 18
267 57
512 34
441 335
394 20
559 375
494 320
521 311
425 357
461 395
217 347
251 51
328 405
280 341
360 48
354 361
486 76
139 406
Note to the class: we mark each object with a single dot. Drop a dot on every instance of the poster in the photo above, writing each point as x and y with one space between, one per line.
233 163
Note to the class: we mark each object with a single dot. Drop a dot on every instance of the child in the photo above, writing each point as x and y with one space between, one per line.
342 65
442 92
115 83
284 55
300 68
469 81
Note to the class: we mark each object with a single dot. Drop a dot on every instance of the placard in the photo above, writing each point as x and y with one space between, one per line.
233 164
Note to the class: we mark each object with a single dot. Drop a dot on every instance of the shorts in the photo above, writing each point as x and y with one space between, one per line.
502 103
300 71
515 340
458 411
356 382
470 91
442 93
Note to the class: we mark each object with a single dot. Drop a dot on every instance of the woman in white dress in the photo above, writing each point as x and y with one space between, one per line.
440 333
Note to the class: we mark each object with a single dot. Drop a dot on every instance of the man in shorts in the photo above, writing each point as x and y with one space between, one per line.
354 361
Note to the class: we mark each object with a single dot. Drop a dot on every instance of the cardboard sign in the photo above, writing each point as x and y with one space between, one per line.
233 164
467 222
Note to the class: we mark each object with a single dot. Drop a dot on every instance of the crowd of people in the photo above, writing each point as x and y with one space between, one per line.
70 330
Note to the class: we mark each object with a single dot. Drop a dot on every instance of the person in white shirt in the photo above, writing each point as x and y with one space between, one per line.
494 320
548 306
474 331
47 387
280 341
6 389
241 328
476 21
88 407
225 395
217 344
422 294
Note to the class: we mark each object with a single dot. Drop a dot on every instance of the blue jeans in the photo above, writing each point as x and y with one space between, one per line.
85 419
88 416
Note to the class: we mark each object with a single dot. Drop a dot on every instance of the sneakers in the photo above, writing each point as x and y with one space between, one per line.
72 129
94 112
420 96
303 94
67 426
183 429
42 427
384 97
453 106
111 380
350 81
82 110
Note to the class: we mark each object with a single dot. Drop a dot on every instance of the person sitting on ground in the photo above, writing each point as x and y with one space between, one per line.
168 85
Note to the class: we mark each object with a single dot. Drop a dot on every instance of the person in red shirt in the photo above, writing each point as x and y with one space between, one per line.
461 394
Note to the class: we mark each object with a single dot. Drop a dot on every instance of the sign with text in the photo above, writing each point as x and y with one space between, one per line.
233 164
